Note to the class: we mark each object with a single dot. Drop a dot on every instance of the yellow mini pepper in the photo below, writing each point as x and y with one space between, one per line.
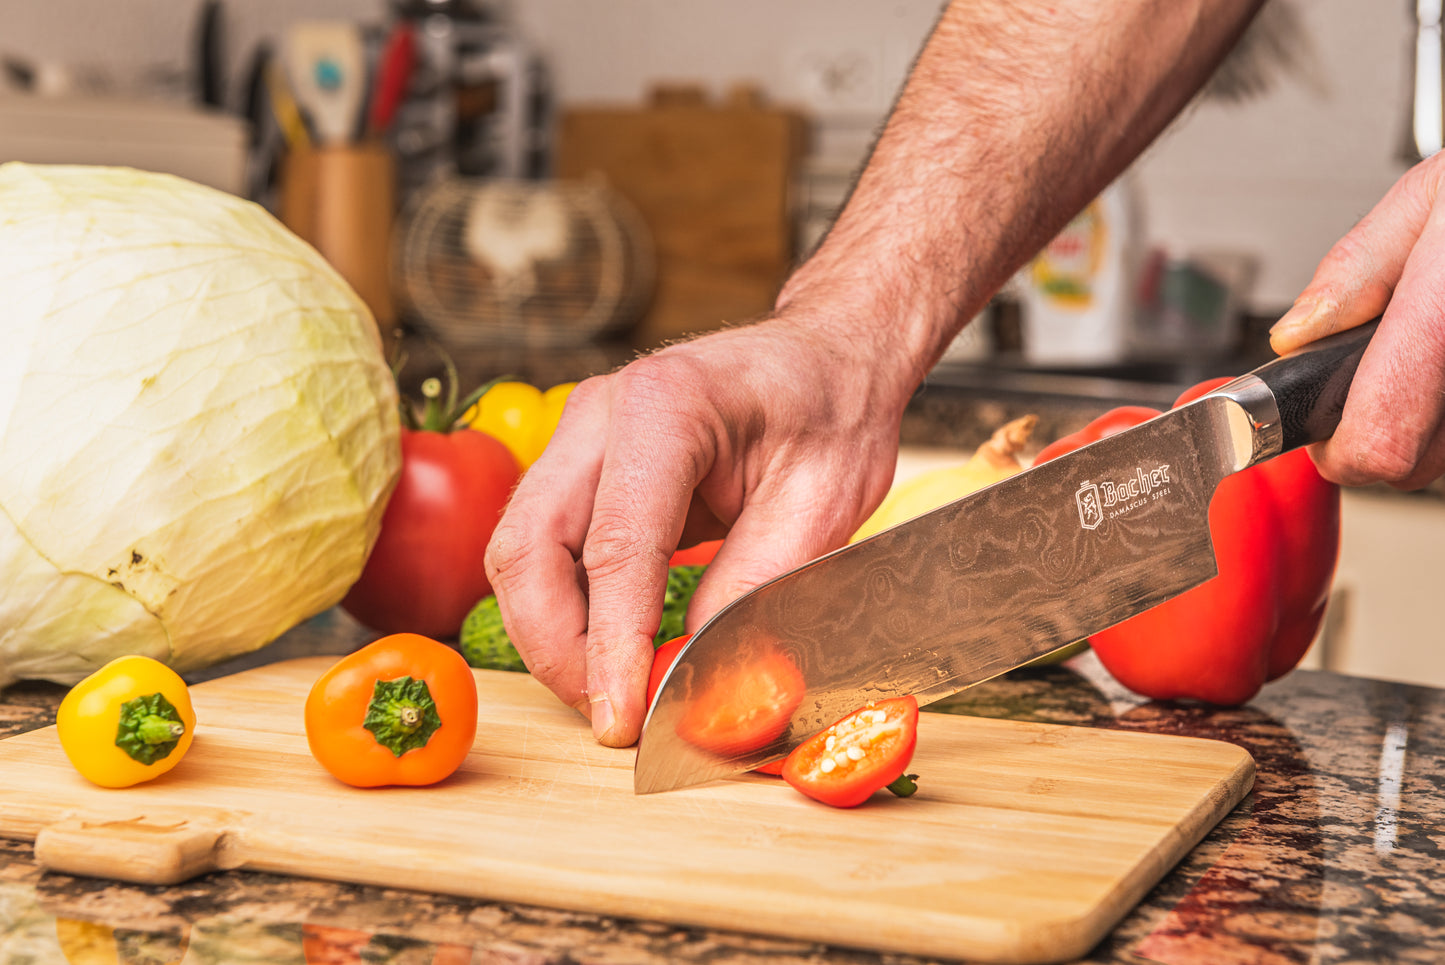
522 416
130 721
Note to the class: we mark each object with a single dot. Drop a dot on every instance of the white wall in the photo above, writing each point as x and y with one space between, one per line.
1282 177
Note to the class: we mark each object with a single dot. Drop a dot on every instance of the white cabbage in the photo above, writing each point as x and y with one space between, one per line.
198 431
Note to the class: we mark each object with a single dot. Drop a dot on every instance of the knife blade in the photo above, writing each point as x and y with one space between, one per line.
985 584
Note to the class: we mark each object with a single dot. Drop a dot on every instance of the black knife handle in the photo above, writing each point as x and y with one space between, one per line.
1310 384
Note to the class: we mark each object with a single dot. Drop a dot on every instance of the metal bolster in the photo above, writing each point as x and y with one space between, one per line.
1259 422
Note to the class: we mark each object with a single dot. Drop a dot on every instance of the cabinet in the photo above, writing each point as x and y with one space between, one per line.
1385 616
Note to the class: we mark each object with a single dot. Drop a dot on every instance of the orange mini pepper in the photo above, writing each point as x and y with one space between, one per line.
402 710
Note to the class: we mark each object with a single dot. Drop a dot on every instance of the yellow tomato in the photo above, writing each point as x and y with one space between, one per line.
522 416
128 722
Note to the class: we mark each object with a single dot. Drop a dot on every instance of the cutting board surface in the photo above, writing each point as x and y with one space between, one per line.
1025 843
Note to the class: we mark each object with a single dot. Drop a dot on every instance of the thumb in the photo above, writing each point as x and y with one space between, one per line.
1356 278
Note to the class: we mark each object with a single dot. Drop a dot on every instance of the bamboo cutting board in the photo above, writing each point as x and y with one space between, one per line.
1025 843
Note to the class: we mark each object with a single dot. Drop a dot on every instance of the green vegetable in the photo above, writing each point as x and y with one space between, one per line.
485 644
681 584
198 427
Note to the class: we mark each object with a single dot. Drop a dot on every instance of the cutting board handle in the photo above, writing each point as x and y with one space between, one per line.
143 850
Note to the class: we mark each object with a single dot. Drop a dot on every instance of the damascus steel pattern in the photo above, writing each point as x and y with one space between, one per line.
970 590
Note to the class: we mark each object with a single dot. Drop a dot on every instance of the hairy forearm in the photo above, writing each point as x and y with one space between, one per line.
1016 114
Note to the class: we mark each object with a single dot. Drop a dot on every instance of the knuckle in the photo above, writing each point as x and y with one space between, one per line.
616 543
549 666
658 384
1384 457
507 552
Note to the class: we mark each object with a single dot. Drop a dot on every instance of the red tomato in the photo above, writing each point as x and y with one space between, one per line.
426 570
699 555
864 752
662 659
745 707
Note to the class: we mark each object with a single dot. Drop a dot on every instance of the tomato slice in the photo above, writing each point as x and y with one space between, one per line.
864 752
662 659
745 707
700 555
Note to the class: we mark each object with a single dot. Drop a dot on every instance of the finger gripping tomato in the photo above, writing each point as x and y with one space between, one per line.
1276 533
864 752
130 721
402 710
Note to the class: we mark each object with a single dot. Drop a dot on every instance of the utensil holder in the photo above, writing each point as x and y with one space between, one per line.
343 201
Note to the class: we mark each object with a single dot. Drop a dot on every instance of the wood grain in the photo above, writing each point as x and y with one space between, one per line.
712 182
1025 843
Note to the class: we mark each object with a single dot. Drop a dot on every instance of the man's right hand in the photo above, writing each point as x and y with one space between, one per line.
781 434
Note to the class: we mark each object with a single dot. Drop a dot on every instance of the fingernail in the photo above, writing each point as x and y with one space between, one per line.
583 707
1304 318
602 716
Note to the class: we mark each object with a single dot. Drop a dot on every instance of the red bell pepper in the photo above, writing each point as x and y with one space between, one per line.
1276 534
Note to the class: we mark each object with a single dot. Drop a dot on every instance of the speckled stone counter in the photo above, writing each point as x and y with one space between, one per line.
1337 856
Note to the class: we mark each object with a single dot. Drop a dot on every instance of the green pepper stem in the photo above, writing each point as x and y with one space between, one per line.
150 728
905 785
402 715
153 729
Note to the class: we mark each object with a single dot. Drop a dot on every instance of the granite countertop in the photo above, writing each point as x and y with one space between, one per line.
1337 855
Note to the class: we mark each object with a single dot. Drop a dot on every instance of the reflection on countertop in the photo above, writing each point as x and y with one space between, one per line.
1338 854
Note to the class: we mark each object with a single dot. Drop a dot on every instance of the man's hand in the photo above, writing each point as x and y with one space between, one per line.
1393 261
781 434
784 433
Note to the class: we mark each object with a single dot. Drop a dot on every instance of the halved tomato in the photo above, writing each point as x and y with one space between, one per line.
745 707
864 752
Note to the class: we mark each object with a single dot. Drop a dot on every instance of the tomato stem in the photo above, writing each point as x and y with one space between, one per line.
150 728
402 715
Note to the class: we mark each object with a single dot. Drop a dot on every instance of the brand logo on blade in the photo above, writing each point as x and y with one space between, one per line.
1091 514
1113 498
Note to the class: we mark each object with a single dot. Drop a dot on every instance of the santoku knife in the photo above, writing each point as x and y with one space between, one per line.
985 584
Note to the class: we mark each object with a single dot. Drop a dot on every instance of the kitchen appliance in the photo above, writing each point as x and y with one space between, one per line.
477 101
1026 842
493 262
1003 576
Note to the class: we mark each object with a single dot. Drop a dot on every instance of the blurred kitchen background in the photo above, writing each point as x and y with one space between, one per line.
545 188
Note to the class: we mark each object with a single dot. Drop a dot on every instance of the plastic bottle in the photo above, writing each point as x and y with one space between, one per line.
1077 295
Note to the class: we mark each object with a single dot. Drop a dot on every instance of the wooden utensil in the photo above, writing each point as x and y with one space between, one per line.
1025 843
